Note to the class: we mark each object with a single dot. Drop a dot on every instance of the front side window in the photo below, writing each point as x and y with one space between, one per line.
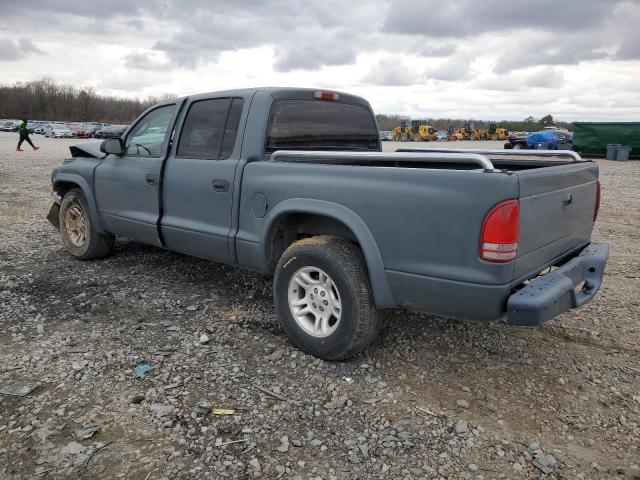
210 129
147 137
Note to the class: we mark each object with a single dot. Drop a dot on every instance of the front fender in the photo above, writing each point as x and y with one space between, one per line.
377 275
62 178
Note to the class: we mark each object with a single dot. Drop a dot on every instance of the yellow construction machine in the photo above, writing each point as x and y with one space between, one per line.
466 133
421 132
403 132
416 131
498 133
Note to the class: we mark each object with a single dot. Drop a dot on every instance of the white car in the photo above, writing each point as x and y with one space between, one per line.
57 130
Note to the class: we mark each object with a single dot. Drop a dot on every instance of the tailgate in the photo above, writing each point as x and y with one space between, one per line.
557 206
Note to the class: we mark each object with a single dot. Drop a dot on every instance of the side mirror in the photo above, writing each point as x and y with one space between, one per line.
112 145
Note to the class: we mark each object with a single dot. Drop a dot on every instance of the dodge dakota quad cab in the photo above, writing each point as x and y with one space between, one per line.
293 183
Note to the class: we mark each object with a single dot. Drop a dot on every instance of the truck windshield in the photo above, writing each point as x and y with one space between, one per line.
321 125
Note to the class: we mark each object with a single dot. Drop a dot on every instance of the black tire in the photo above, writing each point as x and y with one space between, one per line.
360 321
95 245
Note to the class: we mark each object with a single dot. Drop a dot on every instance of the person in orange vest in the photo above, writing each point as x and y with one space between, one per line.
23 131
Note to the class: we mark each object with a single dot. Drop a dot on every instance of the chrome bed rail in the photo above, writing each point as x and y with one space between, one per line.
575 156
434 156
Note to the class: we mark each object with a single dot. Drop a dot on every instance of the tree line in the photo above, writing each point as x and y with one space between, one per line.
48 100
529 124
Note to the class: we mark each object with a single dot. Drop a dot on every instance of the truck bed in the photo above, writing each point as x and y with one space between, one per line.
438 200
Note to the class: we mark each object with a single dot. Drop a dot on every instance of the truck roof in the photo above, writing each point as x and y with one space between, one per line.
283 92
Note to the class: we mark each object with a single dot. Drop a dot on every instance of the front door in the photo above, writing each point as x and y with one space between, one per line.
127 187
198 179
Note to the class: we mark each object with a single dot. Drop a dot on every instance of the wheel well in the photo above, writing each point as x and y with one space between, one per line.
295 226
63 187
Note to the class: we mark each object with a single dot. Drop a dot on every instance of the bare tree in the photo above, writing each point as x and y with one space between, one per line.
47 100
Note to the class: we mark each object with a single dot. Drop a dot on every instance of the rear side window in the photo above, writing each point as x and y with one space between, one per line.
320 125
210 129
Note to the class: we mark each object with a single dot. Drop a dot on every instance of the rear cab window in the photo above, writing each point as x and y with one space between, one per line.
320 125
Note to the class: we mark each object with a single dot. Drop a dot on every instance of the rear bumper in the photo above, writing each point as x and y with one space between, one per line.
538 301
556 292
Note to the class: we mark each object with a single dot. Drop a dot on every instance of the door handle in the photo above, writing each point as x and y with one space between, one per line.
220 185
150 179
566 201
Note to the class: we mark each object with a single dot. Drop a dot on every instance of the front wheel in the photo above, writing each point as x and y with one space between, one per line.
78 233
323 298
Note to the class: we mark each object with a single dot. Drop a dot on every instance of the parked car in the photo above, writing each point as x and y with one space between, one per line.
9 126
517 141
79 130
386 135
550 138
57 130
112 131
293 183
92 128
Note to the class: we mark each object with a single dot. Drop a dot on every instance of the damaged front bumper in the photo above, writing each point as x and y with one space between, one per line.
568 286
54 212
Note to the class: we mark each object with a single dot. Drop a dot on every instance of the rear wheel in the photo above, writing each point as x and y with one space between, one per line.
323 298
78 233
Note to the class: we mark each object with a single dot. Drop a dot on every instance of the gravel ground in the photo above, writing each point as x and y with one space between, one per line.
434 398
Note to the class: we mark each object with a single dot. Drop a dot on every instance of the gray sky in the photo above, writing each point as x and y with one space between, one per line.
493 59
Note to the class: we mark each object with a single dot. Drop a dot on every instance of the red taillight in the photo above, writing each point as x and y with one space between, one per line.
326 96
595 213
500 231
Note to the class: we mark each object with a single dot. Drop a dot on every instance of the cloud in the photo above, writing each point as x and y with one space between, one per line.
435 50
312 55
453 69
456 18
391 72
628 18
17 49
304 36
547 78
508 54
550 50
144 61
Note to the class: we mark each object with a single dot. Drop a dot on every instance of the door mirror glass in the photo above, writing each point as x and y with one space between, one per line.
112 146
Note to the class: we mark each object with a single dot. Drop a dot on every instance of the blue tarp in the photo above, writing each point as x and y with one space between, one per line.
545 136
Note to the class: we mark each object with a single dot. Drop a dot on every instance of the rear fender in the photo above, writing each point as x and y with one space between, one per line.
377 275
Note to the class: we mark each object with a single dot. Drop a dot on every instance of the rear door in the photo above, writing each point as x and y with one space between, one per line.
127 187
199 177
557 208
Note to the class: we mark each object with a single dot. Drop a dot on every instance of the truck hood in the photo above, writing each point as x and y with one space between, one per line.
87 149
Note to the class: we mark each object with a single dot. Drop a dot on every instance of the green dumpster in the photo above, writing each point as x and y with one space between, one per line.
592 138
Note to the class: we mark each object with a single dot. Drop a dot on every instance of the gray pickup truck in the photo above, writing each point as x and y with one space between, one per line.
293 183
